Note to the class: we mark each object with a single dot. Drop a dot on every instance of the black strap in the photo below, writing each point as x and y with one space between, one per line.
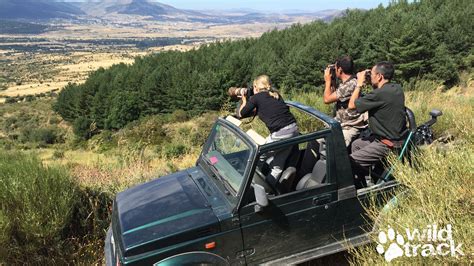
245 123
342 105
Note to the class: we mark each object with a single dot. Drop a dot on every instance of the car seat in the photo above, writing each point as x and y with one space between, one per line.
319 171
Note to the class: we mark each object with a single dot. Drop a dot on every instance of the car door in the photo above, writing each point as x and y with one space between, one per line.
292 222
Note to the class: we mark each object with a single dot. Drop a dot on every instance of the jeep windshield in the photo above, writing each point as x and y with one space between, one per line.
229 157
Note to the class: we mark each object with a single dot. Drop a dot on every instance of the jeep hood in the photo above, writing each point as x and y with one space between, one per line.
160 213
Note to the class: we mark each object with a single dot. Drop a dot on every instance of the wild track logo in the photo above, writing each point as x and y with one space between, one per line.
394 250
429 241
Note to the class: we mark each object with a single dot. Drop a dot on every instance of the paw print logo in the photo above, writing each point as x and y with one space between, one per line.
394 250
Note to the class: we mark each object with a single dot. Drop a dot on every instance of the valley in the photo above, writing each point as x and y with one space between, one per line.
34 64
45 54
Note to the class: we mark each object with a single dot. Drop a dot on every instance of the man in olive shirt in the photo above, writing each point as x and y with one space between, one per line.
387 119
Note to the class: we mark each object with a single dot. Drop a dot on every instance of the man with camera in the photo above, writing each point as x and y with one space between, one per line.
387 118
351 121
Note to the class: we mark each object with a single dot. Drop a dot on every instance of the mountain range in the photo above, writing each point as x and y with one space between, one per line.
131 7
50 9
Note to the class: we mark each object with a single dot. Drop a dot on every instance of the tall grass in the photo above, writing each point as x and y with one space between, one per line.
457 105
440 183
46 217
36 207
439 192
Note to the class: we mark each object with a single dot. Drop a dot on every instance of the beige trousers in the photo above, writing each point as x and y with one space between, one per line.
349 134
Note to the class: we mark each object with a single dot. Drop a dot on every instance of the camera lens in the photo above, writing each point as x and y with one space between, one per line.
234 91
367 76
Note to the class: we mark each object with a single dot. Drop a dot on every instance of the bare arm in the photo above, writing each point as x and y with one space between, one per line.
329 96
356 93
244 102
246 108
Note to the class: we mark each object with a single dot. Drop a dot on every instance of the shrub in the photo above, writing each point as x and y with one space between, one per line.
147 131
54 120
89 223
81 127
10 100
37 204
6 144
179 116
42 136
199 136
173 150
107 141
184 131
9 123
58 154
30 98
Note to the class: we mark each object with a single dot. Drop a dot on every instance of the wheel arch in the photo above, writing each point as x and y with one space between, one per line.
193 258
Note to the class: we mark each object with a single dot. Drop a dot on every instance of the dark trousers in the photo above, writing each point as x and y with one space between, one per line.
366 152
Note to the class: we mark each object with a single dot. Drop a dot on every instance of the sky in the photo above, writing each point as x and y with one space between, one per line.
274 5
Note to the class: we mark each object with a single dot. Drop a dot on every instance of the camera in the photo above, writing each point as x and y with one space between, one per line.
332 71
235 92
367 76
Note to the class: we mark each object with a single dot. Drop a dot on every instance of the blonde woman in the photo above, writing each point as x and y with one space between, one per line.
272 110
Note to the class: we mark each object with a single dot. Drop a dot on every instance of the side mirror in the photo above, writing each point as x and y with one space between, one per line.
260 197
435 113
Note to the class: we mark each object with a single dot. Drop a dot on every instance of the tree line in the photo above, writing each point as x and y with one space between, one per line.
429 39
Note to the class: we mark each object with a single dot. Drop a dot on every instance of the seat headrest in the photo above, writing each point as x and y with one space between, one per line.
322 148
319 171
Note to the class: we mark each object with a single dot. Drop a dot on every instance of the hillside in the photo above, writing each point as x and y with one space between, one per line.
37 9
132 7
15 27
143 8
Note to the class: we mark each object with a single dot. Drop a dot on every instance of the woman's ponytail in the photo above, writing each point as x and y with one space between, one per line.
274 93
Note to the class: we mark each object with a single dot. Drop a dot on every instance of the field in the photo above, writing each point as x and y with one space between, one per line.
46 62
39 73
